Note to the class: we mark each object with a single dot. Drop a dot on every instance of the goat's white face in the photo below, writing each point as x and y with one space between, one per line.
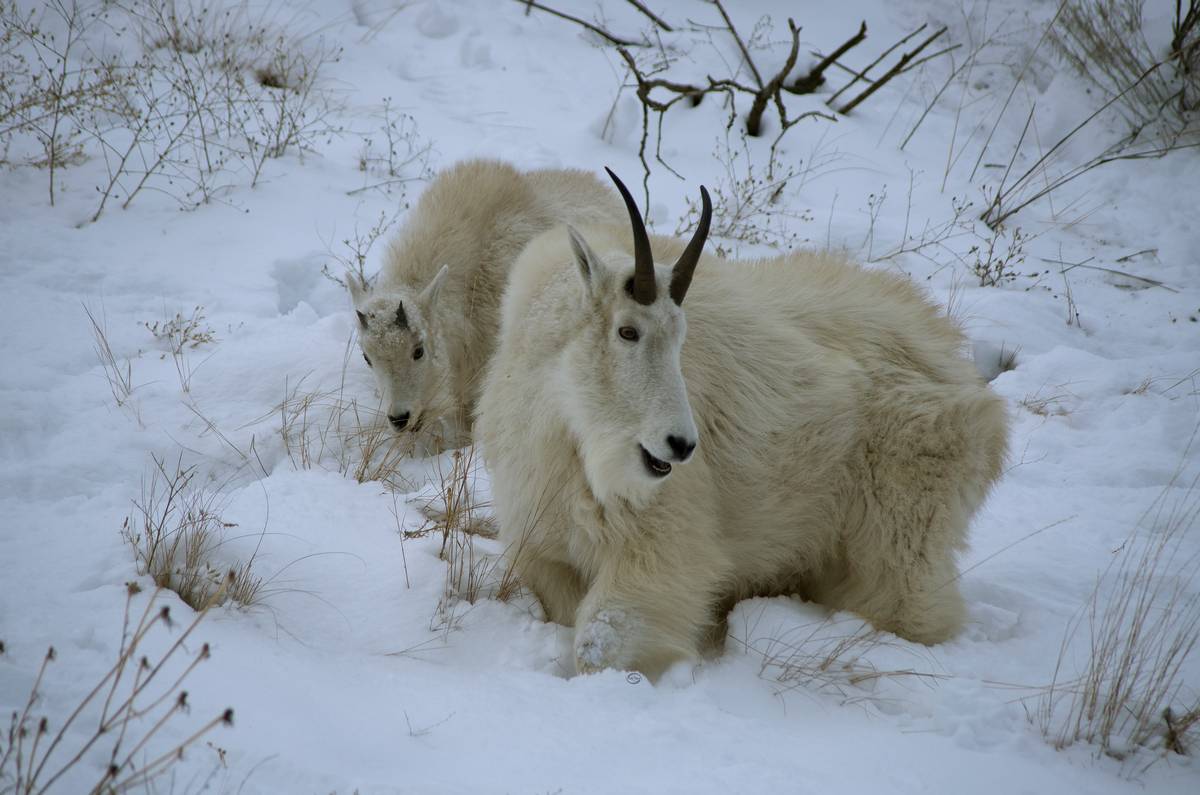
622 383
398 334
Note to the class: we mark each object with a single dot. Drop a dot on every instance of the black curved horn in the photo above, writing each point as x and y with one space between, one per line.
681 274
644 291
401 318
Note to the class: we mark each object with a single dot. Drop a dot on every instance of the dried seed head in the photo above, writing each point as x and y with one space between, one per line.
43 725
227 717
204 652
132 588
181 700
51 654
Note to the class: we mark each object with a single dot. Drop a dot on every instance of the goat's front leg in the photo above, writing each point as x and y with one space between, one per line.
646 610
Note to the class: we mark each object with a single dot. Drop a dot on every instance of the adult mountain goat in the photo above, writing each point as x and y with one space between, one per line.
430 322
818 433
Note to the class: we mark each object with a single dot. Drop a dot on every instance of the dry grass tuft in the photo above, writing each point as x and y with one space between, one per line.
120 379
175 531
136 705
831 655
1142 624
331 431
1047 405
458 518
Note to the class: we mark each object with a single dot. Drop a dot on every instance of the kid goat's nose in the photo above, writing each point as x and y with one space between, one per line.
682 448
399 421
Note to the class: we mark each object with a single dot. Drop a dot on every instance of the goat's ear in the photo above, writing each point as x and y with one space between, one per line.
358 296
430 293
358 289
586 260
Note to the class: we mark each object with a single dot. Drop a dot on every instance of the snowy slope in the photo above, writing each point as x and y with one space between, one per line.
354 673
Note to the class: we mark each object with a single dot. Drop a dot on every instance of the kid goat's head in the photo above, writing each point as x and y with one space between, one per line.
624 391
400 342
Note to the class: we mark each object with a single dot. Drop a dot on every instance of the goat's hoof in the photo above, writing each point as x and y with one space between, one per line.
599 643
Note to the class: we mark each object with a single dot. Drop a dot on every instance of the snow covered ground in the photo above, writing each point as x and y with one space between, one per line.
354 672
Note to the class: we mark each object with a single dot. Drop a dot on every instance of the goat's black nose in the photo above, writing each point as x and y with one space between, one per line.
399 421
681 447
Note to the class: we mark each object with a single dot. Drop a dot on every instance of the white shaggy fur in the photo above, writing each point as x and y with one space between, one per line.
431 320
843 444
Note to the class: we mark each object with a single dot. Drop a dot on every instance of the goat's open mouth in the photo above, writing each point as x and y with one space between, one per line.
655 466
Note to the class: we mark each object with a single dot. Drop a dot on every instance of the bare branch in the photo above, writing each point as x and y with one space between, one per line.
657 20
895 70
816 76
599 31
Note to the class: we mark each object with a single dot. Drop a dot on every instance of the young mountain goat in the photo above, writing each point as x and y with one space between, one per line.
819 433
430 323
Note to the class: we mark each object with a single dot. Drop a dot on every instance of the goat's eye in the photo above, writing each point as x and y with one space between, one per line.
367 359
628 333
419 352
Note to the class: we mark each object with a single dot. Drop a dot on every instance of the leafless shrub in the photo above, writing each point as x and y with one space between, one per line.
356 249
1142 625
998 255
51 79
1105 42
179 332
404 157
748 204
175 531
136 706
993 255
208 100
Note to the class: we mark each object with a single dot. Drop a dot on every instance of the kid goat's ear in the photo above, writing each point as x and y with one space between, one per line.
358 296
430 293
358 289
585 259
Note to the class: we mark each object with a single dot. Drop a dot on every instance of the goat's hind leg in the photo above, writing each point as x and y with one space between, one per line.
926 471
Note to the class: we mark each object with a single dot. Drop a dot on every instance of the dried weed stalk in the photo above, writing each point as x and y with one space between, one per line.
133 703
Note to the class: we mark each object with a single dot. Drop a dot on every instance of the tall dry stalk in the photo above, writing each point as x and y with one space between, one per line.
1139 630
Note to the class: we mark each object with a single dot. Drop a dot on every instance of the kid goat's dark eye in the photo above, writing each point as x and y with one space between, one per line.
628 333
419 352
367 359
